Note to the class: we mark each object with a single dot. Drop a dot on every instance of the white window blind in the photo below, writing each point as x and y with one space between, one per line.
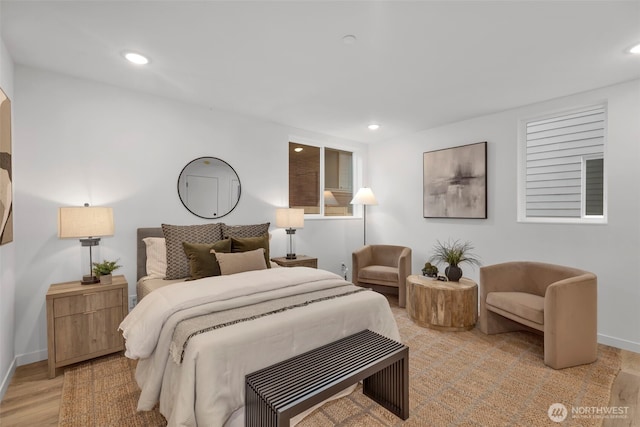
556 150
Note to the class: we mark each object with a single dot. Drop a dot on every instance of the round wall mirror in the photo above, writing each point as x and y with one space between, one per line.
209 187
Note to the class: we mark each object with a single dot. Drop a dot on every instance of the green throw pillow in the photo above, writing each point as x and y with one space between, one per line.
202 263
245 244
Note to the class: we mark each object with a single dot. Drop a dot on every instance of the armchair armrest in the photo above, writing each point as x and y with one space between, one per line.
404 266
570 321
505 277
404 270
360 258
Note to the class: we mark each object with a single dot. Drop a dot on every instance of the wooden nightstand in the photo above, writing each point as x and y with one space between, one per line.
83 320
300 261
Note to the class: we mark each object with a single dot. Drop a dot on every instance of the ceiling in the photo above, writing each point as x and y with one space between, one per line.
415 65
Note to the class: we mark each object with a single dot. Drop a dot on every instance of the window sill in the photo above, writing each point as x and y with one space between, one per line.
321 217
590 221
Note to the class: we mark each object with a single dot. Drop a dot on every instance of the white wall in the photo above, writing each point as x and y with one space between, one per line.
611 251
7 278
77 141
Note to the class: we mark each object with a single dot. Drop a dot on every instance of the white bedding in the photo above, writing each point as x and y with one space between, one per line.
207 389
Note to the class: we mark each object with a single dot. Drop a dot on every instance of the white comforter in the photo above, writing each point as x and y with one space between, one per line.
207 389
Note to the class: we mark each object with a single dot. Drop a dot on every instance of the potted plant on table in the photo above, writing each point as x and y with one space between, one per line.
430 270
454 253
104 269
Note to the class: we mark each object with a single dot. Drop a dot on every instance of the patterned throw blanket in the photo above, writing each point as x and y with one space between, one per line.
189 328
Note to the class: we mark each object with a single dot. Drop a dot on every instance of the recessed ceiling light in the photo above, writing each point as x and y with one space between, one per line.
136 58
298 149
349 39
635 50
373 126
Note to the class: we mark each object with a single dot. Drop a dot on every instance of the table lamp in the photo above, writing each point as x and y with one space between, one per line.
290 218
88 223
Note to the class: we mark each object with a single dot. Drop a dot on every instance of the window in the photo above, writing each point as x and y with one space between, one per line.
320 180
594 187
562 167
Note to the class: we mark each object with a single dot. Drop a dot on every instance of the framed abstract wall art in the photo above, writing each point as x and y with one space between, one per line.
455 182
6 188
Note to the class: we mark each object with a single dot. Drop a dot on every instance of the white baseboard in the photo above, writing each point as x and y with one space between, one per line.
7 378
619 343
36 356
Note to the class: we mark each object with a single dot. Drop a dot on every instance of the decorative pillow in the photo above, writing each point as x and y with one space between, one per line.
245 244
202 263
177 262
241 261
253 230
156 257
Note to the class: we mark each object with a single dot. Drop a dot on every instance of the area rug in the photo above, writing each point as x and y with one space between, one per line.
456 379
103 393
473 379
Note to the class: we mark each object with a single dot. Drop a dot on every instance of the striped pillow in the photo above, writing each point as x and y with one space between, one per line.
253 230
177 262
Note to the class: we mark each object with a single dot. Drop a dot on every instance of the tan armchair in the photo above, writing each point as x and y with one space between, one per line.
382 265
560 302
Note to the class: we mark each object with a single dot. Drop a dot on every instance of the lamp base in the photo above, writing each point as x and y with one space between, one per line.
291 256
89 280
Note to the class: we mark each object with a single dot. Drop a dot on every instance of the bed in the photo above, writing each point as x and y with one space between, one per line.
196 340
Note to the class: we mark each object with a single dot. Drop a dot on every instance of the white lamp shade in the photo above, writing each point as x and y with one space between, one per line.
364 196
330 199
289 218
87 221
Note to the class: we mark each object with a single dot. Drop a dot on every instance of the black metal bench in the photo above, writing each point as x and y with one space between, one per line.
275 394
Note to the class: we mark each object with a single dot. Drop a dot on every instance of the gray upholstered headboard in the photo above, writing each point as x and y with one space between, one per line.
142 248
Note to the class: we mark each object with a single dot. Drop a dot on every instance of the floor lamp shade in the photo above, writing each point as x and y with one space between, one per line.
364 197
330 199
87 223
290 218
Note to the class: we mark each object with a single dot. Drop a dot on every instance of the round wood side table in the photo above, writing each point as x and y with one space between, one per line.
445 306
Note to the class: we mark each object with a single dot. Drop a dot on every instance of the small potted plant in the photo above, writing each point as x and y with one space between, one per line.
454 253
430 270
104 269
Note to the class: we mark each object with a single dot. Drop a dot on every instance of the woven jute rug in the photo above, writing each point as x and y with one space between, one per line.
103 392
456 379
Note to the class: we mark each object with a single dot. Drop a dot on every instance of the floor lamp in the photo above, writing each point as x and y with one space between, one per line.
364 197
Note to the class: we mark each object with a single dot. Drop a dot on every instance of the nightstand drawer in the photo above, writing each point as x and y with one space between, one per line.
91 301
86 333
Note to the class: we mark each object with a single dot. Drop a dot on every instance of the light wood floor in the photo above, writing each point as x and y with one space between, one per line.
626 391
32 399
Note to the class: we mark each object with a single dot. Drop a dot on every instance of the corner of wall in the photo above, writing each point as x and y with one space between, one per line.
7 260
7 378
619 343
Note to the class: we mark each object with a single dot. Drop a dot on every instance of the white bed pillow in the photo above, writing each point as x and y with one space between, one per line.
156 257
238 262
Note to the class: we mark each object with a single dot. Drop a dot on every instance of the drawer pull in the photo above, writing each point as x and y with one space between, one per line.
89 312
87 295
